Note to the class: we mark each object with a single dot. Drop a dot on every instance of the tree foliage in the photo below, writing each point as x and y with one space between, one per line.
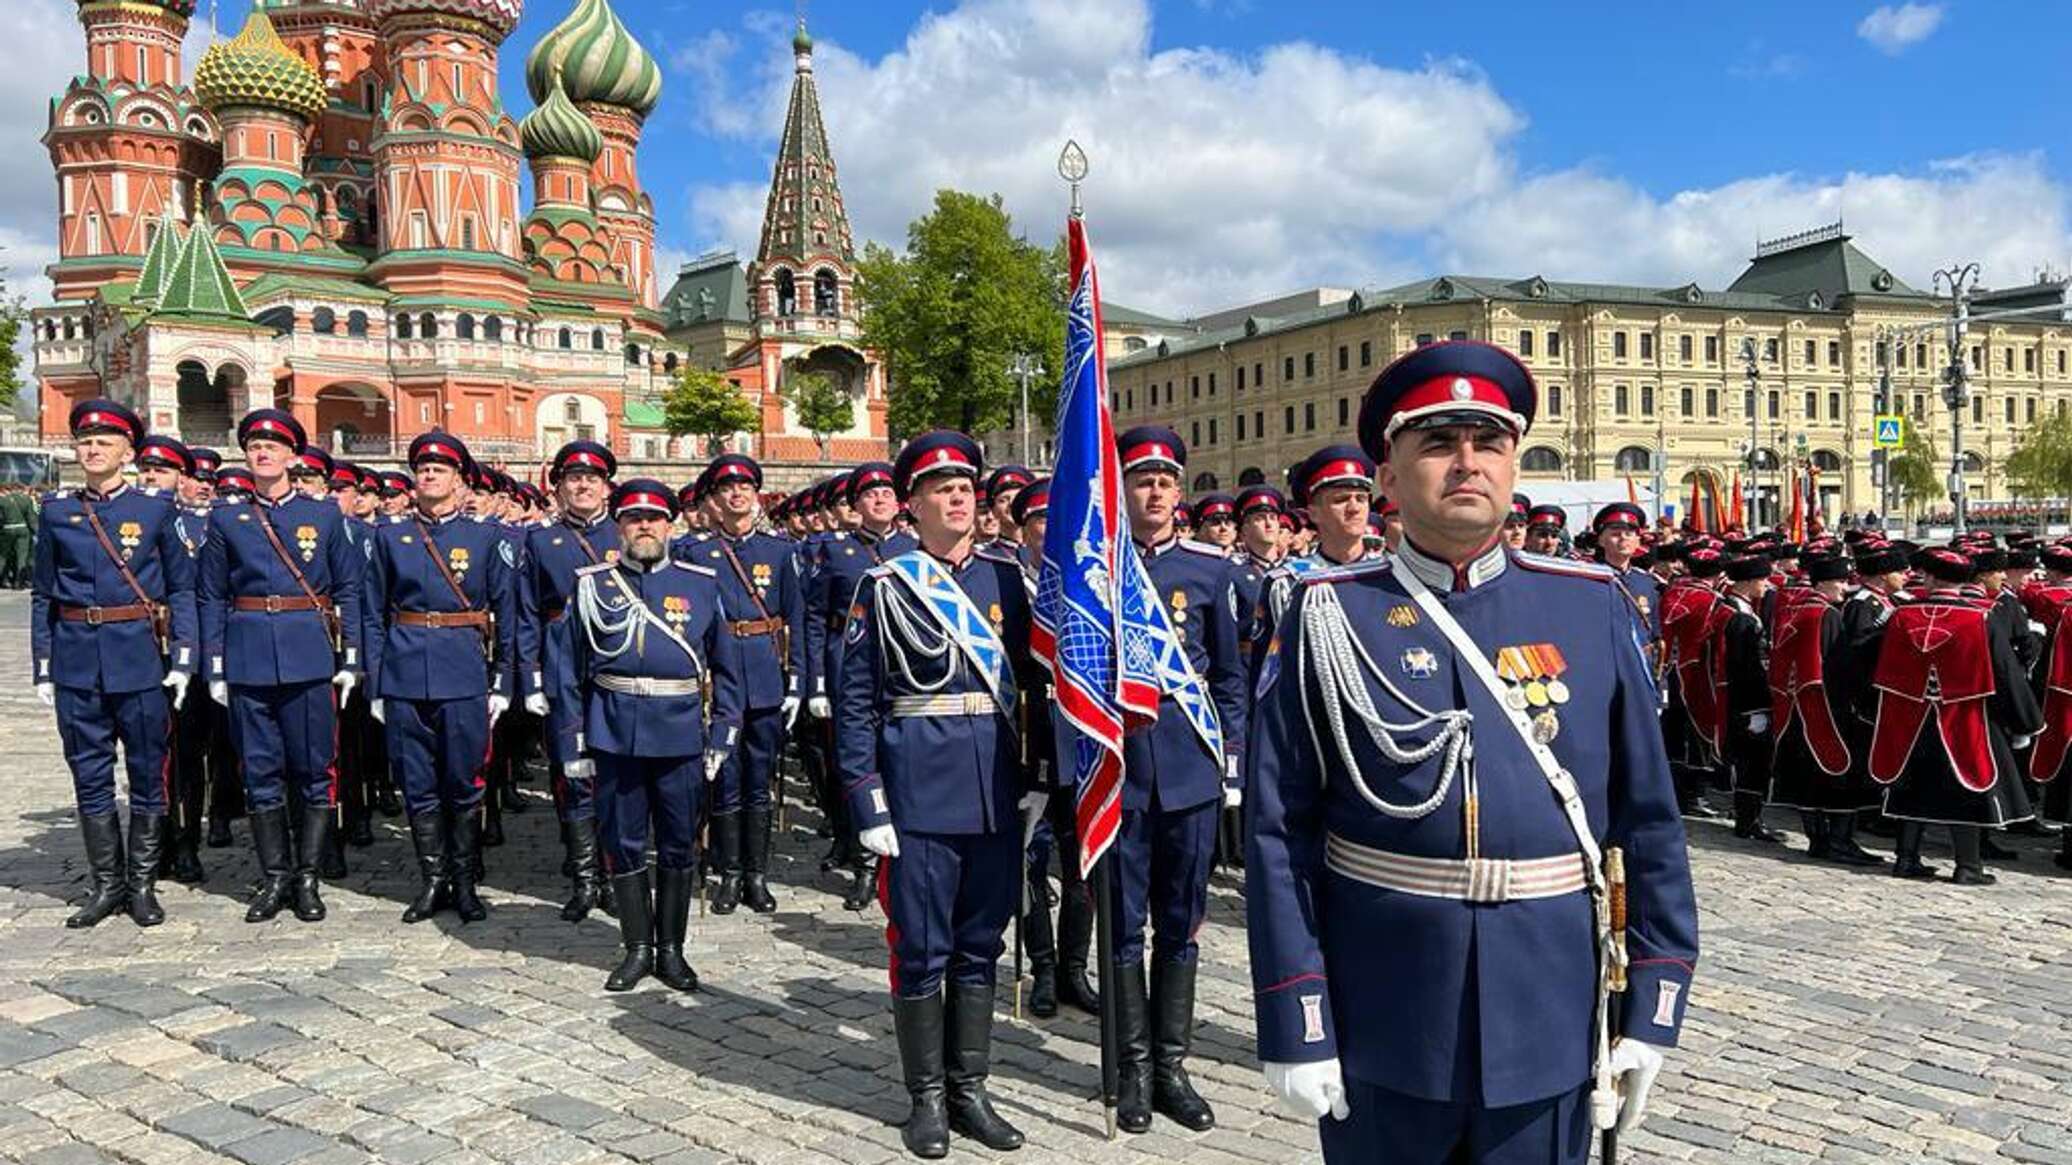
949 316
707 404
820 405
14 317
2041 465
1917 471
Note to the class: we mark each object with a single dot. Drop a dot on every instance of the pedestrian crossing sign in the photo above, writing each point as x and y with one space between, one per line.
1890 432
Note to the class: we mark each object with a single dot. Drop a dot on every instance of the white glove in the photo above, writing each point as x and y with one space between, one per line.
880 840
537 704
2021 742
177 681
789 709
1634 1065
1032 806
1311 1089
379 712
48 693
1759 722
498 705
1233 796
579 770
714 762
219 691
819 708
345 682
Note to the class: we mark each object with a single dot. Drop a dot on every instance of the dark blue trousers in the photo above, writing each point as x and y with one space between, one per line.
948 898
1162 862
744 781
574 800
91 724
640 798
1403 1130
438 749
284 733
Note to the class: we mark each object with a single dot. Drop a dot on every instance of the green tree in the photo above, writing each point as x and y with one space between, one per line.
14 315
707 404
2041 465
1917 472
821 406
950 315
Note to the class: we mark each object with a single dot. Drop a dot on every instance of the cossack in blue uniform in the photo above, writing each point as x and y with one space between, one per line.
1440 753
112 627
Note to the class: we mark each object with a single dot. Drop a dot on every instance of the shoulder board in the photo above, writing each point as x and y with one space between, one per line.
999 556
595 567
61 494
1208 548
1338 574
150 491
1565 566
707 571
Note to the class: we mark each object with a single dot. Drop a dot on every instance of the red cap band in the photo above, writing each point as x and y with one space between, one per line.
1150 451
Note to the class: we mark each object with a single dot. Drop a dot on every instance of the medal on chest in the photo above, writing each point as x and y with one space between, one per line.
131 535
458 561
1533 672
306 542
676 609
760 572
1178 605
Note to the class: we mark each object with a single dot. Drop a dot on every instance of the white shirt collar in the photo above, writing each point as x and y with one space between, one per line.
1444 576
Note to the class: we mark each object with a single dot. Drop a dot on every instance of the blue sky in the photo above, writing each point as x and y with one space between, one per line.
1243 148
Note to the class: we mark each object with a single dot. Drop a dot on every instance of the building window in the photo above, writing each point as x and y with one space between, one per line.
1634 459
1288 420
1456 335
1920 356
1977 357
1620 403
1553 343
1309 365
1647 400
2007 359
464 326
1259 424
428 326
1423 338
1367 355
1212 430
1345 358
1540 459
1525 341
1194 434
1241 426
1770 350
1647 345
1712 403
402 327
1834 407
1978 409
1345 408
2061 362
1129 399
2010 410
1712 349
1901 360
1618 345
1241 378
1776 404
1309 416
478 414
1834 353
567 339
323 321
1685 398
1683 349
1288 368
1212 385
1809 352
1748 402
493 329
1194 388
1812 406
1554 400
356 324
1258 374
1919 407
2028 360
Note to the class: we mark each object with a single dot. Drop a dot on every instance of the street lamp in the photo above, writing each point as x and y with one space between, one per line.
1025 368
1755 377
1955 392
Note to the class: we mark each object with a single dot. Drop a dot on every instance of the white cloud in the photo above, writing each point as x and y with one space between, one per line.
1894 29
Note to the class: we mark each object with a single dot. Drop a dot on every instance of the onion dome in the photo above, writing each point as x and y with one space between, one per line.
256 68
181 8
802 41
598 59
500 15
557 129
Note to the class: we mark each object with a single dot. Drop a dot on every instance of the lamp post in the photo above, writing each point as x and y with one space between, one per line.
1955 391
1755 376
1025 368
1883 338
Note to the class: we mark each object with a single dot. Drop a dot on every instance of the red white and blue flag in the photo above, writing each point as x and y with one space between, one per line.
1091 580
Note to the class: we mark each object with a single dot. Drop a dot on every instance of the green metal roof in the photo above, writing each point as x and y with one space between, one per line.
642 414
199 285
1115 313
710 287
158 261
1822 261
278 284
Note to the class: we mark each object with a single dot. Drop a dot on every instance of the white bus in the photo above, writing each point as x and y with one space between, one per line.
34 466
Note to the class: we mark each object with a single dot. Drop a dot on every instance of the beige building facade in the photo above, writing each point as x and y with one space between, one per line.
1631 377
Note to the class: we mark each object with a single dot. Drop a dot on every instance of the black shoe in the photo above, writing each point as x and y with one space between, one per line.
1994 851
1133 1077
2034 827
359 830
515 801
579 839
1699 809
386 802
491 820
918 1024
146 842
1848 853
672 920
724 856
863 889
1172 1031
635 894
330 860
187 867
1817 834
1043 990
435 892
968 1055
270 841
1914 868
467 852
1076 990
1757 831
755 862
1966 876
219 833
2063 860
318 840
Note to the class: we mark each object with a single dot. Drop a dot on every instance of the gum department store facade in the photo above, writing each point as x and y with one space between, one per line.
326 217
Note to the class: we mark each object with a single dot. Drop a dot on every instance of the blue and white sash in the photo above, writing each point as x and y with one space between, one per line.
959 618
1148 638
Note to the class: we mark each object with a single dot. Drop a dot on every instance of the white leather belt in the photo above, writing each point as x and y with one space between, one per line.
1461 879
646 685
953 704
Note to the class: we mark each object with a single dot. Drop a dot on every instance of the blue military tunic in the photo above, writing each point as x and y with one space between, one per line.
759 587
1487 1003
1169 766
547 567
845 558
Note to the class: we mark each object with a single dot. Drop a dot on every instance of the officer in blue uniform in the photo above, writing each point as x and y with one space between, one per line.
167 466
1335 487
1001 487
584 535
113 636
937 645
648 644
1427 919
846 556
439 627
1174 788
357 777
759 585
1260 550
1618 528
280 628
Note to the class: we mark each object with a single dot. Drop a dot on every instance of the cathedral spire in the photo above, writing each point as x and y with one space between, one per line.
805 224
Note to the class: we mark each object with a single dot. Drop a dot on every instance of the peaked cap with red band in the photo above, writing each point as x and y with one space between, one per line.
345 475
588 455
1620 514
1521 509
313 461
272 425
869 475
1549 516
1032 502
939 451
105 416
644 495
158 449
442 448
1006 479
1210 507
730 467
1331 465
235 479
206 462
1151 447
1253 498
1449 382
395 483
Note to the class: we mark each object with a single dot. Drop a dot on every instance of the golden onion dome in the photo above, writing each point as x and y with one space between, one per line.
257 68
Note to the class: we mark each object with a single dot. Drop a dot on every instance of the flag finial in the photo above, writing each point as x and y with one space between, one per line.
1072 168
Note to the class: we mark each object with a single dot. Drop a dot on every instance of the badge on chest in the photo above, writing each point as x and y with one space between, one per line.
131 535
760 572
306 542
676 609
458 561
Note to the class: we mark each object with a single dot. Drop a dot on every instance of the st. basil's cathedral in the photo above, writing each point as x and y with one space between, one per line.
326 217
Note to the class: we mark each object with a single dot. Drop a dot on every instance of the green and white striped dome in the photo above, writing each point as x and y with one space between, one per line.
598 59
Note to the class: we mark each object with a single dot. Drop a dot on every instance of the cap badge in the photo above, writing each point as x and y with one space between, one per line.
1462 390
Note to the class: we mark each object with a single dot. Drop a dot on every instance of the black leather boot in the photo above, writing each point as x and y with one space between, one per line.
607 894
672 921
330 852
359 827
317 838
636 930
386 802
1075 940
1909 863
1172 1030
1841 842
435 892
146 845
1971 860
102 835
270 842
579 838
1815 825
1748 820
968 1056
467 852
1133 1021
863 886
755 862
724 856
489 819
1042 946
918 1023
219 832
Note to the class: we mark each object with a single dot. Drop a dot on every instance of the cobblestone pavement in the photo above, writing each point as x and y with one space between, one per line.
1838 1016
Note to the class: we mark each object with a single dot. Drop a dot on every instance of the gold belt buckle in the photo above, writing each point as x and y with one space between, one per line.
273 604
93 616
